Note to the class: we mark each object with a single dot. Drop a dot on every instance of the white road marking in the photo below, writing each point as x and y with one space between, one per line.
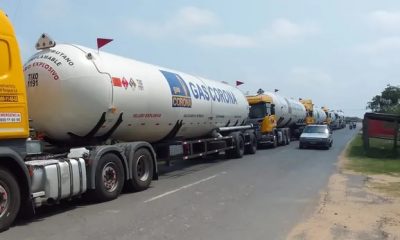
181 188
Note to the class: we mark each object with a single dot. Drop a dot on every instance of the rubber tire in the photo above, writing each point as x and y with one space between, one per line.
238 151
301 146
135 184
10 184
252 147
100 193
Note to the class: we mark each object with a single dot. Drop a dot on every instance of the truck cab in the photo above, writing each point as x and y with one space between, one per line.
14 127
308 104
262 115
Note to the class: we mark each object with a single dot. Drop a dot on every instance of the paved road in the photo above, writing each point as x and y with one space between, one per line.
260 196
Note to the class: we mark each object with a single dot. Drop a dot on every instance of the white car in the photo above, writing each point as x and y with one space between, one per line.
316 136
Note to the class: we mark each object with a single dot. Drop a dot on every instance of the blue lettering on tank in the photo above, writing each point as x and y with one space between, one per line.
214 94
201 94
207 97
194 90
221 97
217 96
211 95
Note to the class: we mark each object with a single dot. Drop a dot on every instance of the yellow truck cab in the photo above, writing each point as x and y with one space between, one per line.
262 116
14 127
308 104
328 116
262 110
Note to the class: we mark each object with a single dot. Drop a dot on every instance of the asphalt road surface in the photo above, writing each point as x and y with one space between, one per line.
260 196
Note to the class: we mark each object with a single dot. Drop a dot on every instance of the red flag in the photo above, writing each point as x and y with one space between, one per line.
102 41
239 83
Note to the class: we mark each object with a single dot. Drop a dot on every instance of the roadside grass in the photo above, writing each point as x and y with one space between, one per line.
380 159
392 188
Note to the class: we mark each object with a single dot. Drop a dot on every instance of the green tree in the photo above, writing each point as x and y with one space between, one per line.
387 102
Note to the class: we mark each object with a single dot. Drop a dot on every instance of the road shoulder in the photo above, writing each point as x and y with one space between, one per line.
354 206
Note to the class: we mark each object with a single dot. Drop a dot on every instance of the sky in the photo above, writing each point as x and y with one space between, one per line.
338 53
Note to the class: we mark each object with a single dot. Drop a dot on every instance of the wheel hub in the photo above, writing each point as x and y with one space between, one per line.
142 168
110 179
4 201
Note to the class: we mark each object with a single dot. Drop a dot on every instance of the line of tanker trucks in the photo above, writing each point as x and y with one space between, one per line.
107 120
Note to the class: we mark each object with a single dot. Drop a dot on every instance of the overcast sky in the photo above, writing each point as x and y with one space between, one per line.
338 53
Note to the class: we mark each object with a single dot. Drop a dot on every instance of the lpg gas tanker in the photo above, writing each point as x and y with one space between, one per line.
75 92
106 120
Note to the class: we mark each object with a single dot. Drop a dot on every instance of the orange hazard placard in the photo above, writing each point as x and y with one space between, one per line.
116 82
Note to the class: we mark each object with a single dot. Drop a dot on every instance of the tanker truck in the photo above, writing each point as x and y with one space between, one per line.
106 121
328 119
338 120
277 119
315 115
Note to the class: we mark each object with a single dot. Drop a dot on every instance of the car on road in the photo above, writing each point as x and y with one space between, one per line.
316 136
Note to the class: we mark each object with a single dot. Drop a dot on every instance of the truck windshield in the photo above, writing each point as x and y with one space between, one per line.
258 110
316 129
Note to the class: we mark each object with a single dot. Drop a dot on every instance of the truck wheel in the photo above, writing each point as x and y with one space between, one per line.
142 170
238 151
252 147
109 178
10 199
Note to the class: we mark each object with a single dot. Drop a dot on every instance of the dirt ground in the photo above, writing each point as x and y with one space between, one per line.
354 206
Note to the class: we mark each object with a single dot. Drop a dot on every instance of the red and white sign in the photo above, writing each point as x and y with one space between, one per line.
381 129
125 83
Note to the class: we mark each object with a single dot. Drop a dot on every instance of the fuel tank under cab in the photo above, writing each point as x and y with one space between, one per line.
76 91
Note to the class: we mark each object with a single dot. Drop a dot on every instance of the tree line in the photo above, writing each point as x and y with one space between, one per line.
387 102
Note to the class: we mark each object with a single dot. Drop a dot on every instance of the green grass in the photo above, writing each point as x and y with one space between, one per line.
379 159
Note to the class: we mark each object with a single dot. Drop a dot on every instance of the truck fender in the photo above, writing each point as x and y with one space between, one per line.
95 154
131 147
14 162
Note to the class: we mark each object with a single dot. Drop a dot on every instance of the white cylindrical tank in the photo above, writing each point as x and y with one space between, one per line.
74 91
287 111
335 119
319 115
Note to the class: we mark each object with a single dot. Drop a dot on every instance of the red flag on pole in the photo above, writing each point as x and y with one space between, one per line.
102 41
239 83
